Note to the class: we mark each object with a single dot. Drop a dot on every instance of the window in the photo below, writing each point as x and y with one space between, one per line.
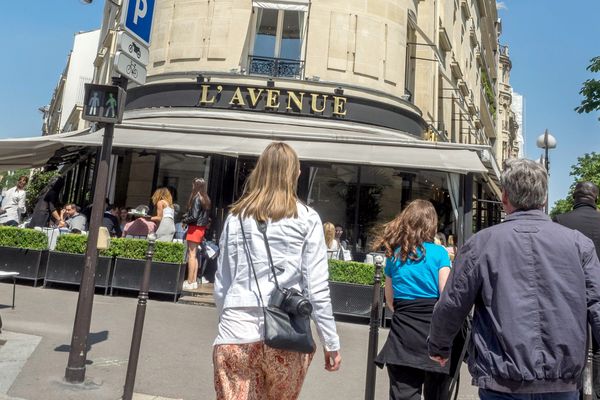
411 64
277 44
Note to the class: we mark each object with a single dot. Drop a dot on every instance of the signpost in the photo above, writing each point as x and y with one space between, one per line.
128 45
137 19
130 68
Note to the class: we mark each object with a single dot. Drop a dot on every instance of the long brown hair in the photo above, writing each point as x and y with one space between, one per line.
329 232
416 224
200 188
270 191
162 194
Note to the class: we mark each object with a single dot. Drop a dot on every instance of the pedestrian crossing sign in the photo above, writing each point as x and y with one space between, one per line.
103 103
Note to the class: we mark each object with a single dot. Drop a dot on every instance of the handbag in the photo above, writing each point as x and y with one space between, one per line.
287 316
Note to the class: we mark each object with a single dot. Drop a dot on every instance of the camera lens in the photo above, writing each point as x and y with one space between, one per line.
304 308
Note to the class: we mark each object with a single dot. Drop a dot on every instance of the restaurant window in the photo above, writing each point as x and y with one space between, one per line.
177 171
277 43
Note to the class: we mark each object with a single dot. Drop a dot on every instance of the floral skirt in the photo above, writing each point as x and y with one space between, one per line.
255 371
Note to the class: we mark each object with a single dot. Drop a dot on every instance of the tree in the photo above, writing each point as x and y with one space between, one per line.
586 169
590 90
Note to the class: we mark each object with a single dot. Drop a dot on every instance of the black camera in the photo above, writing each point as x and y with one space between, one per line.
291 301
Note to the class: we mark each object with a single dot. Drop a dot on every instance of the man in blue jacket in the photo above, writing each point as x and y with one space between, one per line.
535 285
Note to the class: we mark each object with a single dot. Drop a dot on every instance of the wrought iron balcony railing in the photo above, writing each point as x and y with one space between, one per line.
275 66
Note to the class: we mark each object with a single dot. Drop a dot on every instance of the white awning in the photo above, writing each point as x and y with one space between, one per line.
298 5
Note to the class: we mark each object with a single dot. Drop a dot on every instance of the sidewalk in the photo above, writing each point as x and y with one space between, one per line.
175 357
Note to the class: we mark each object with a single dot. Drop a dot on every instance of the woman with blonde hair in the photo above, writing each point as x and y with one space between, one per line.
244 366
196 218
165 215
333 247
416 271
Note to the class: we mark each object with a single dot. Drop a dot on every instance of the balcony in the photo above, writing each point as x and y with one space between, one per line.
455 67
276 67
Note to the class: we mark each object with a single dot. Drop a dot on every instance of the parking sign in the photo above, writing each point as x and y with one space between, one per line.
137 19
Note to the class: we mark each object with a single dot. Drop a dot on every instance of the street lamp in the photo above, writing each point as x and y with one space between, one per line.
546 141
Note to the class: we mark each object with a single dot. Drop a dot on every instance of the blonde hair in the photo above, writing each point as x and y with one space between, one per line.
270 191
416 224
329 231
162 194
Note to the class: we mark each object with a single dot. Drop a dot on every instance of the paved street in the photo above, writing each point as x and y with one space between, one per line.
175 359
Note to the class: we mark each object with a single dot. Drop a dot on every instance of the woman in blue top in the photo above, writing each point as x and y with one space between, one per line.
416 272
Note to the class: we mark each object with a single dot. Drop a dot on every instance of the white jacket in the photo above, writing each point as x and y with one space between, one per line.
298 248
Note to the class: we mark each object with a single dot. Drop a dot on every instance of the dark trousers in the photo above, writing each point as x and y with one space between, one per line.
408 383
595 369
492 395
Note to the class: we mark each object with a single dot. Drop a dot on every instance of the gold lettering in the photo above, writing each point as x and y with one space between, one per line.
238 98
339 105
292 97
313 104
254 97
204 99
272 98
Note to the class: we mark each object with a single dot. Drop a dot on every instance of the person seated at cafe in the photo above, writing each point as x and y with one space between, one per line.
111 221
124 217
141 226
73 219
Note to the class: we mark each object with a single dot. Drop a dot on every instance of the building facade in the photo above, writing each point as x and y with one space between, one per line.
385 101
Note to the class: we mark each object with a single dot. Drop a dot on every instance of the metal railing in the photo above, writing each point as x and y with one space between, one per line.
275 66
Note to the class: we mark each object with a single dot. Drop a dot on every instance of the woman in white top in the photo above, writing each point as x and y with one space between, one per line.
164 218
333 246
244 367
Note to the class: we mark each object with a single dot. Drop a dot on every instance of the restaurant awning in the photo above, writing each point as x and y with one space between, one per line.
247 134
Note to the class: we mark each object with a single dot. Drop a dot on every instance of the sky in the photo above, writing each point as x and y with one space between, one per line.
550 44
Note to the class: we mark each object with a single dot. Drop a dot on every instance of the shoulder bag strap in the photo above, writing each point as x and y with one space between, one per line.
262 227
249 257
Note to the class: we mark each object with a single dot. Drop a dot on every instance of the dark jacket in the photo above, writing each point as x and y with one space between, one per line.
196 215
535 284
584 218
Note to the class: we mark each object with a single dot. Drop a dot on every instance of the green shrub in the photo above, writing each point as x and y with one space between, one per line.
74 244
23 238
136 249
352 272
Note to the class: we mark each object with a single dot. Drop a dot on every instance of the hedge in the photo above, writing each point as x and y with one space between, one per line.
168 252
74 244
352 272
23 238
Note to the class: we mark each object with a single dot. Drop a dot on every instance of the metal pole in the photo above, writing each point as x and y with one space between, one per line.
374 331
75 371
546 160
138 327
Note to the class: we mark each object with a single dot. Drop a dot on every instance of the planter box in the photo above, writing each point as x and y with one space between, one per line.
352 299
68 268
165 278
30 264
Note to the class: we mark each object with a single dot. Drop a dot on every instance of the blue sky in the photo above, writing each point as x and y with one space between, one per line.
550 43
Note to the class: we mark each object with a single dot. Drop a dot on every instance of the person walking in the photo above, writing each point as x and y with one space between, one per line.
13 203
197 217
586 219
416 271
535 285
244 367
165 215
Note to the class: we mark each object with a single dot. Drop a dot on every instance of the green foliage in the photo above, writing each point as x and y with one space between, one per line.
136 249
23 238
11 180
488 91
586 169
74 244
37 184
352 272
590 90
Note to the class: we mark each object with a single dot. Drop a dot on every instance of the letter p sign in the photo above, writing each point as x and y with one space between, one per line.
138 19
141 8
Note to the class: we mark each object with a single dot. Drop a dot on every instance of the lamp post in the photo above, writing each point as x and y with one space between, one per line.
546 141
374 330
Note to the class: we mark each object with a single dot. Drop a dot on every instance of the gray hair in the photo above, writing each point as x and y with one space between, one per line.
525 182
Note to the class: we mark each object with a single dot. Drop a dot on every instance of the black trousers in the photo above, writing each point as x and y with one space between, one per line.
595 369
408 383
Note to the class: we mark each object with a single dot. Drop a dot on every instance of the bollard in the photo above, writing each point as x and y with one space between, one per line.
374 331
138 327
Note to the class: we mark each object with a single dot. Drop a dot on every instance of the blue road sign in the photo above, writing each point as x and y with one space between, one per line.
137 19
